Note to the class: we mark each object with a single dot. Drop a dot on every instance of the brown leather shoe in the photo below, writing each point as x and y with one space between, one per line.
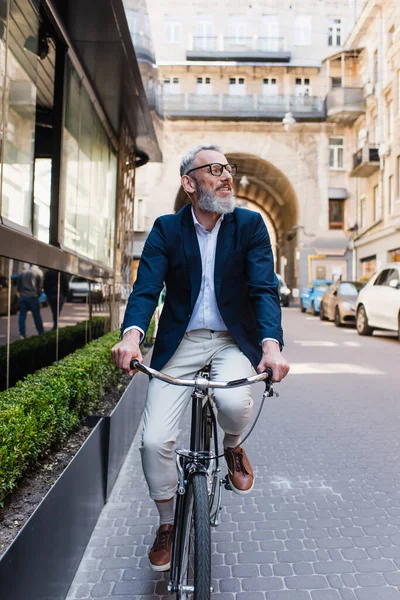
240 472
160 553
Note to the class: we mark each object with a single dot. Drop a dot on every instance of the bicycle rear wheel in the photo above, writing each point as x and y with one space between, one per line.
194 573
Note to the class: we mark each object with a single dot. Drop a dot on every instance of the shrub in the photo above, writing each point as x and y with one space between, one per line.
39 413
36 352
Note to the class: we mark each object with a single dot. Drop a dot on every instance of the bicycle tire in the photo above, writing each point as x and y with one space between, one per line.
195 554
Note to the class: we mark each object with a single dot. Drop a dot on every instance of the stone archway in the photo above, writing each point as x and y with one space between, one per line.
271 192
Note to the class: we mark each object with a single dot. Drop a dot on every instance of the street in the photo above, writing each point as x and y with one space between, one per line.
323 521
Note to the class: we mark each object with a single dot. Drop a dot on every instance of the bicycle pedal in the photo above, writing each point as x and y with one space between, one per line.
227 484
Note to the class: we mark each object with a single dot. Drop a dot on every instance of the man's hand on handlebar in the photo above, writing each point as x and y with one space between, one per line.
126 350
273 359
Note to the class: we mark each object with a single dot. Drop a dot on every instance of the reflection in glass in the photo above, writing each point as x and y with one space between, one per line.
41 199
90 167
19 118
29 286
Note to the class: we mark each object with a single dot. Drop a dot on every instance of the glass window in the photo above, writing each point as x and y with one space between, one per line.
237 30
383 278
394 255
349 288
336 82
269 87
334 31
302 86
336 214
269 37
172 30
391 195
302 30
336 151
204 86
368 267
172 85
19 103
363 213
89 184
390 119
237 86
204 39
377 205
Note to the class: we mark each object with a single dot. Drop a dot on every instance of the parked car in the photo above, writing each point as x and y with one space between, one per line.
284 292
338 304
310 297
79 287
378 303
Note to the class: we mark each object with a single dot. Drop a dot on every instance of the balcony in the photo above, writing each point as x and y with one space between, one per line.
224 106
366 161
143 48
345 105
239 49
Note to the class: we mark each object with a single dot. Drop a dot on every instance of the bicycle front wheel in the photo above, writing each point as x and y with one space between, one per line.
194 579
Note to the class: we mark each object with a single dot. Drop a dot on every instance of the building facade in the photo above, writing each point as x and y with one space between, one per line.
279 87
74 126
375 137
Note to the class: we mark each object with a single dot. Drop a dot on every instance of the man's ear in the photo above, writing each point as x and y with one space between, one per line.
188 184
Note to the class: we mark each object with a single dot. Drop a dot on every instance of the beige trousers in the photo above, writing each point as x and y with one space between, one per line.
166 403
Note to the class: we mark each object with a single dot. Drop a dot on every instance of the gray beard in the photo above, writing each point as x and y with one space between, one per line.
211 203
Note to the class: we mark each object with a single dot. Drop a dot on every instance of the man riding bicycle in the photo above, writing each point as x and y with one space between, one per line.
221 305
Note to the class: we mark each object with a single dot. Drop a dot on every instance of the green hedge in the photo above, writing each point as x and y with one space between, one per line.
39 412
29 355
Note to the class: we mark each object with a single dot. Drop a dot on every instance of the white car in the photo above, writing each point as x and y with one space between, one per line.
78 289
378 303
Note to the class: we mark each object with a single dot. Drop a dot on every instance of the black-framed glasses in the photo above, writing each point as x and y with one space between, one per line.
217 169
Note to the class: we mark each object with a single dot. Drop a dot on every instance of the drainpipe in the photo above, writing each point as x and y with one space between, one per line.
380 109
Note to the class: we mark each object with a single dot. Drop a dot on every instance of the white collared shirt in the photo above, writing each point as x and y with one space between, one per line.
206 314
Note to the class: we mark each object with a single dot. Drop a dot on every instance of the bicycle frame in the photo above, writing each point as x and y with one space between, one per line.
199 458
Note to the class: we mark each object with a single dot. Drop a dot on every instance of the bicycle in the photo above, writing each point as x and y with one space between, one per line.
199 491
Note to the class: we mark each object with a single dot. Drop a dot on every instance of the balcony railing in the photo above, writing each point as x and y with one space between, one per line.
253 48
345 105
225 106
365 161
143 47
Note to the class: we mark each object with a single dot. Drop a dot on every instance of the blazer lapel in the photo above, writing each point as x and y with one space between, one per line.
224 245
192 253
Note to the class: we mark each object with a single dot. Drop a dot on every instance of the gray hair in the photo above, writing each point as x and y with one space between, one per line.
188 160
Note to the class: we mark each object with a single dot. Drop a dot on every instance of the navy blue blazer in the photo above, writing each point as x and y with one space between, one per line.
246 287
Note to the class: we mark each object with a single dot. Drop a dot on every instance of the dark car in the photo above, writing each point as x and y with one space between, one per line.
338 304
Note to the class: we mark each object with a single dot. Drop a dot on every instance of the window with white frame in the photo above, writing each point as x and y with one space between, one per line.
269 86
302 87
172 30
391 195
204 33
335 33
303 30
390 120
172 85
237 30
363 213
138 215
377 204
203 86
132 16
269 34
336 152
237 86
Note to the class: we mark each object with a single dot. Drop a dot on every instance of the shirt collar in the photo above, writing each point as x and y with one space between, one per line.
196 222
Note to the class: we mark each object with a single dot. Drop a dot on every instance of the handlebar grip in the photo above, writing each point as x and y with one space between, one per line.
133 364
269 371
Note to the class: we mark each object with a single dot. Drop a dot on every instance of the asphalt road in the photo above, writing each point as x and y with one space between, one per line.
323 522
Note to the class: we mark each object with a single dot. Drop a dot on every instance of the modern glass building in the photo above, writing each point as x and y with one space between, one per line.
74 126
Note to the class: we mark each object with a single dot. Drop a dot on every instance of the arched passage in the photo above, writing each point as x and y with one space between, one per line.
270 190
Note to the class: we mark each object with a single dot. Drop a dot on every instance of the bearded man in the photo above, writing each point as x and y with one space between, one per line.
221 305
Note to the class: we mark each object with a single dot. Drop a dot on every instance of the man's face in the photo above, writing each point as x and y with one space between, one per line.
212 193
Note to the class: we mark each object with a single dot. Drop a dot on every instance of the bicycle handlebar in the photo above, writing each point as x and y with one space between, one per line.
201 382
